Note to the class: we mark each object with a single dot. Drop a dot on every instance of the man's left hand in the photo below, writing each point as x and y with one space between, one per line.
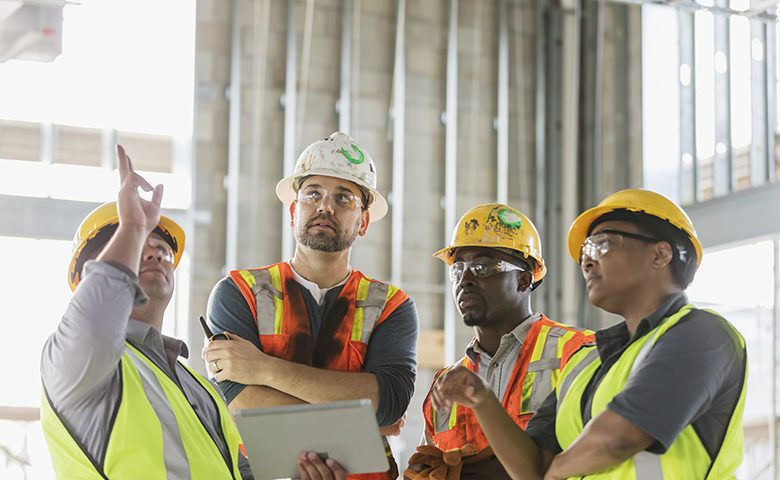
237 359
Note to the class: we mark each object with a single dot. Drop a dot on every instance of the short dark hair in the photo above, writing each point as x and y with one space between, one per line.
684 261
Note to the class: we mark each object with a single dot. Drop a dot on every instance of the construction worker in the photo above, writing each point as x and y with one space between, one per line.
117 402
662 392
313 329
495 262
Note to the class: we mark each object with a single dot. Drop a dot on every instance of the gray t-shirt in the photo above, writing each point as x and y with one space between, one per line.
693 375
391 354
80 362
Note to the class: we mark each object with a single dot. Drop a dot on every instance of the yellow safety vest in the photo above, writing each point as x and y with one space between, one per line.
155 433
686 458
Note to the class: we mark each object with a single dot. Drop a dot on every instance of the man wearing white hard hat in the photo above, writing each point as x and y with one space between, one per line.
313 329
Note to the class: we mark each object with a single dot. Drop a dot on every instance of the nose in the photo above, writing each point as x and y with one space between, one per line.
467 279
326 205
586 264
152 253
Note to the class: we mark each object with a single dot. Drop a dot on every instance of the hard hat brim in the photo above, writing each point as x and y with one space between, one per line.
286 193
578 231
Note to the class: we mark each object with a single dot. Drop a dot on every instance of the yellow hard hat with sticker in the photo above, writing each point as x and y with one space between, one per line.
497 226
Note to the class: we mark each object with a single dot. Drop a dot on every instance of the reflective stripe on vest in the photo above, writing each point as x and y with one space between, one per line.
266 285
686 458
535 372
155 433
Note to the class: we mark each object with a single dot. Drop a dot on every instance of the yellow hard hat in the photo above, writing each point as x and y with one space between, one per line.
496 226
336 156
634 200
99 226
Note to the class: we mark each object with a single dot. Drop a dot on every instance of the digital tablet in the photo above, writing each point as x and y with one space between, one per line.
344 431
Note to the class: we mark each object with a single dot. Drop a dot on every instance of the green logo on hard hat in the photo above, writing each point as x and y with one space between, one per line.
356 160
510 218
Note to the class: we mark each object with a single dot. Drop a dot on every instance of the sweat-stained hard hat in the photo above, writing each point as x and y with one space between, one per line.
98 228
633 200
497 226
336 156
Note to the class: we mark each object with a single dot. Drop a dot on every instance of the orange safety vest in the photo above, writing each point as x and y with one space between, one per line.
546 349
283 326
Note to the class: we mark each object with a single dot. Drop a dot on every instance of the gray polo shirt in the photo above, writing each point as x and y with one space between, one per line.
80 362
693 375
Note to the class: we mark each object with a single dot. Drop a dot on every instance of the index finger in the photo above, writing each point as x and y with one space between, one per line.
125 167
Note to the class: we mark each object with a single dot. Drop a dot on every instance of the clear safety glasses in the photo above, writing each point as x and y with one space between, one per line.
480 270
597 245
162 248
342 200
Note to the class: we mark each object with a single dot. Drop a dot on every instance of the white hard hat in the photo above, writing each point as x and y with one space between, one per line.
336 156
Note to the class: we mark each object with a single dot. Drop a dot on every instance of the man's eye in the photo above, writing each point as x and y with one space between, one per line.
311 195
342 199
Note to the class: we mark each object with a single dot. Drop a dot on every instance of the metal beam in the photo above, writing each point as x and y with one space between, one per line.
399 137
748 212
344 107
49 218
450 167
289 103
234 141
502 121
540 102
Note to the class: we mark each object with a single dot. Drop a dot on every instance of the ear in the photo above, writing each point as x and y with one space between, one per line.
524 281
292 212
365 219
662 254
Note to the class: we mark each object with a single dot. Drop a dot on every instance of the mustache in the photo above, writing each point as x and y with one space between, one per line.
322 218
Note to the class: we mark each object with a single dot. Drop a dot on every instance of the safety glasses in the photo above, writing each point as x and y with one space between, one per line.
595 246
342 200
162 247
480 270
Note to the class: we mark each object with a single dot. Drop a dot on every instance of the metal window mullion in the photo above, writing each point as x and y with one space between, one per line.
234 138
451 165
502 121
289 101
48 153
759 164
689 170
723 165
773 364
399 130
770 56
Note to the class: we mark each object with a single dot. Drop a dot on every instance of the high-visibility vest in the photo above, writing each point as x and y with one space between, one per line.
545 351
686 458
154 433
283 325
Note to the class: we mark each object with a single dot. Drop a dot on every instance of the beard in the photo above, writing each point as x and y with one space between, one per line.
471 320
337 240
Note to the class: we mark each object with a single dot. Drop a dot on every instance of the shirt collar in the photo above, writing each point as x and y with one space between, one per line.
141 333
517 334
611 338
